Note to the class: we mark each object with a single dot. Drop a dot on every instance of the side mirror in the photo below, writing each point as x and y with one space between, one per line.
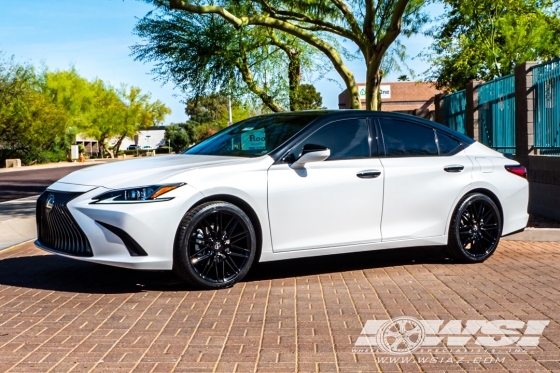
311 153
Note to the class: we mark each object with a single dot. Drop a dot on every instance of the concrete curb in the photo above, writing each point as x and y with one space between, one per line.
51 165
16 245
536 235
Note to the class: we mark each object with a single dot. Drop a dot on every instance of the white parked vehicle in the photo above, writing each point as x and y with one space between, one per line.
286 186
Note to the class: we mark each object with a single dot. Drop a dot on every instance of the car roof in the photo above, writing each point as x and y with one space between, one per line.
349 113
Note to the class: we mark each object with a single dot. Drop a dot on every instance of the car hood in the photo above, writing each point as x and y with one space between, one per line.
145 171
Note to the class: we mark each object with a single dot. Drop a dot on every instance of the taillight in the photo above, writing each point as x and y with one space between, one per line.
518 170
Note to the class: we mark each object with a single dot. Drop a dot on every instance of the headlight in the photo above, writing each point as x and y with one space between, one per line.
150 193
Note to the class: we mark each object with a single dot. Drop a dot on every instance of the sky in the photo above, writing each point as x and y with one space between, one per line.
95 37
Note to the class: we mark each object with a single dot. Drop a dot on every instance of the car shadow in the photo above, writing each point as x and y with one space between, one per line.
53 272
347 262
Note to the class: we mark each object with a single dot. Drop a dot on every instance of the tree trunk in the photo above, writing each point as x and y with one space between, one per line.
294 78
373 82
118 145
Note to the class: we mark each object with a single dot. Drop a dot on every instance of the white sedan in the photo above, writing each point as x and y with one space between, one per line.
286 186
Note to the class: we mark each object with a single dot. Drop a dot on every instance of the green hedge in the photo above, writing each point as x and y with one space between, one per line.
163 150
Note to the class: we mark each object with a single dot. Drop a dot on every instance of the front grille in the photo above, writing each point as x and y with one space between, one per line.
56 228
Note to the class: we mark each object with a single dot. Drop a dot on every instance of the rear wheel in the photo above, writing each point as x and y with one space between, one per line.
476 228
215 245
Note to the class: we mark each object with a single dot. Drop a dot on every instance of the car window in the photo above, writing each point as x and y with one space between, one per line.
407 139
347 139
447 145
253 137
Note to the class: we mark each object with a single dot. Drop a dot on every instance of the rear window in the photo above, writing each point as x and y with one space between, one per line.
407 139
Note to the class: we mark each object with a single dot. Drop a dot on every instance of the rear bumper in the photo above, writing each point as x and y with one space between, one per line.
515 212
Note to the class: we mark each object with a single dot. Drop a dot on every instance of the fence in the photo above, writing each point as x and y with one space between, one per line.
455 110
546 83
496 102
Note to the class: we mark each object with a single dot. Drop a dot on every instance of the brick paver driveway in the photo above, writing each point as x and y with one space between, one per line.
305 315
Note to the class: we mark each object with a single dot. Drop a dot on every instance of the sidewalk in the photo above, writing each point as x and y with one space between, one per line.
59 164
91 162
17 222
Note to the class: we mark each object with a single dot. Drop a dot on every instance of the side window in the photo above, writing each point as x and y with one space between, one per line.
447 145
407 139
347 139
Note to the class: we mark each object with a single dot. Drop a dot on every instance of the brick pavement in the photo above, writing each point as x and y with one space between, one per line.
60 315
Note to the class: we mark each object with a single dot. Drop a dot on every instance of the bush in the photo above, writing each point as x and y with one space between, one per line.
163 150
129 152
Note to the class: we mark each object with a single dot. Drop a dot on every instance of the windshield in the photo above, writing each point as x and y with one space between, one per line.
253 137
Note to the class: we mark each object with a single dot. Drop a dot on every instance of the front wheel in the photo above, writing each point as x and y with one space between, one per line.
475 230
215 245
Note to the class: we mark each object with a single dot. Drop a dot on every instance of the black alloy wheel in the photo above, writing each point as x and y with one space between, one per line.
215 245
476 228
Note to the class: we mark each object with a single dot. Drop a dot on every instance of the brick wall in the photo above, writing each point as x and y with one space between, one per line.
404 96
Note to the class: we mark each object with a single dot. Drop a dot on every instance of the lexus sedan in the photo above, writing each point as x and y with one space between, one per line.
288 185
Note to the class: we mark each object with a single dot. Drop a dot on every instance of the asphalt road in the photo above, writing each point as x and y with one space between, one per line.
20 184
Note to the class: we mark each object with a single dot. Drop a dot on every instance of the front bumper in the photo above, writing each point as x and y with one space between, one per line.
113 230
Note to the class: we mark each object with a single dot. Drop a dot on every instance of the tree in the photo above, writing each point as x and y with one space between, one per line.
177 137
308 98
373 26
202 54
483 40
138 113
209 114
31 126
403 78
42 112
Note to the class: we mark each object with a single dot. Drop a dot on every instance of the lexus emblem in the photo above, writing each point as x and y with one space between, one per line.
50 202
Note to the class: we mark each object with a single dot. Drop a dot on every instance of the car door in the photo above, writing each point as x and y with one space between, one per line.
426 170
334 202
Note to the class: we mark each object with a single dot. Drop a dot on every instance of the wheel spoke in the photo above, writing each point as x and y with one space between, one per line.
490 214
232 229
230 262
487 240
240 248
207 267
216 267
209 226
238 255
200 258
240 237
480 211
472 211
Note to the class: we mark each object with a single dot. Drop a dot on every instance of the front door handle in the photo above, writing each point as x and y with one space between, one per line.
454 168
368 174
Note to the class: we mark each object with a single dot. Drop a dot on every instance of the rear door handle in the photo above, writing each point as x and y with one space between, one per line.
368 174
454 168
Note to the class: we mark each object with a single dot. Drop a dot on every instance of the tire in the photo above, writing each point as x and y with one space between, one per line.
475 229
215 246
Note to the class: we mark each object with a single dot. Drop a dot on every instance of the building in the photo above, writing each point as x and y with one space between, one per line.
416 98
152 136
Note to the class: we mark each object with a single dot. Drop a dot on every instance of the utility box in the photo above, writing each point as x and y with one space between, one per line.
74 152
13 163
